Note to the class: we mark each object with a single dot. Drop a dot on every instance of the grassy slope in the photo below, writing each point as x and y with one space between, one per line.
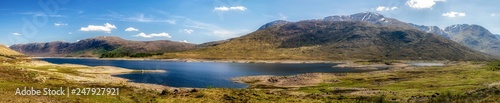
259 46
312 40
14 76
8 52
467 82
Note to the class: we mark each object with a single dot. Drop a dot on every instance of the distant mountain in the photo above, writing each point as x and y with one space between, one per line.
498 36
371 17
374 18
379 19
330 39
475 37
432 29
94 47
273 23
486 42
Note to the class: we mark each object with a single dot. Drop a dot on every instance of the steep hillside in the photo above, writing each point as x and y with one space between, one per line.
6 52
475 37
96 46
335 40
374 18
486 42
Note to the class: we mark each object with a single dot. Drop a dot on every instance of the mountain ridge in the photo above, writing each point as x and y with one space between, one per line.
282 39
335 40
95 46
490 46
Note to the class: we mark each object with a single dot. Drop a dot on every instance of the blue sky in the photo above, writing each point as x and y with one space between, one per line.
199 21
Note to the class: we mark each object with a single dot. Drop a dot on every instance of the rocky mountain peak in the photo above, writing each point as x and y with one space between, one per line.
365 16
273 23
456 28
432 29
472 28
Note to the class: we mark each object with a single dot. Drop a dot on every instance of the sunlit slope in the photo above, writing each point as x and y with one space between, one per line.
335 40
6 51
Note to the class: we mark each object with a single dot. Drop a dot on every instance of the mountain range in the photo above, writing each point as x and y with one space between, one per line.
335 40
366 35
94 47
472 36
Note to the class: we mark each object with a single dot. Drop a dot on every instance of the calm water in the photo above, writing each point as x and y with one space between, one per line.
200 74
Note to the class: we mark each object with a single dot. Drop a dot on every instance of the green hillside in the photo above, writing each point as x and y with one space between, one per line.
335 40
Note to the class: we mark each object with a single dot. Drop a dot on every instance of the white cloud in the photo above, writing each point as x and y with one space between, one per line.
453 14
144 35
187 31
41 14
106 28
137 18
282 17
214 29
232 8
383 8
422 4
184 41
142 18
131 29
60 24
16 34
493 15
70 33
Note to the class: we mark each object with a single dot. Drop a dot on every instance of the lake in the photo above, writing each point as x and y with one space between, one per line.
202 74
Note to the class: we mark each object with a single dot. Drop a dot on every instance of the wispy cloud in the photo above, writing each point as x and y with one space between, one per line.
187 31
214 29
232 8
107 28
493 14
453 14
131 29
282 17
41 14
16 34
184 41
60 24
384 8
144 35
422 4
136 18
142 18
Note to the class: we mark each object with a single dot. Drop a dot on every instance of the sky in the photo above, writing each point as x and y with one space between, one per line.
199 21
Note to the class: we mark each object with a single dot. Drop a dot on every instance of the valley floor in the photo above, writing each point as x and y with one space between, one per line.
457 82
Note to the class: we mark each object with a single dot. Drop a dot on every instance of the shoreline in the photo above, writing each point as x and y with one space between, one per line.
98 74
341 64
251 61
206 60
